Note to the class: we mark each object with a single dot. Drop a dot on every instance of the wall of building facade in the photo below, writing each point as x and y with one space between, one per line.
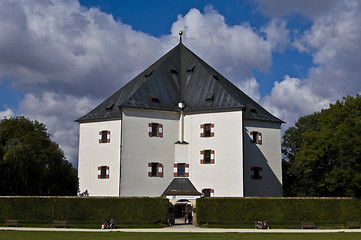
131 149
225 175
264 157
93 154
139 149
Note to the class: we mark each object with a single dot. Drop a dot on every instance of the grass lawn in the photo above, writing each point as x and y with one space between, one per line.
20 235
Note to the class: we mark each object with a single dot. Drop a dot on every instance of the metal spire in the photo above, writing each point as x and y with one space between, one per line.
180 35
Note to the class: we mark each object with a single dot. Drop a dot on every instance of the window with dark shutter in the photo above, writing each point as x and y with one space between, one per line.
104 136
207 130
256 137
155 130
256 173
208 192
207 156
181 168
103 172
155 169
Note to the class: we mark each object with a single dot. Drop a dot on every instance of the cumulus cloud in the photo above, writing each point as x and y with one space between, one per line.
251 88
58 112
64 47
292 98
234 49
7 113
333 42
277 34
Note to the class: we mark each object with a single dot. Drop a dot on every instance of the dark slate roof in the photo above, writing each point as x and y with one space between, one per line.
181 186
178 76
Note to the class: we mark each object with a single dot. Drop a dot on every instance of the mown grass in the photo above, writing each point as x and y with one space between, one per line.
20 235
291 225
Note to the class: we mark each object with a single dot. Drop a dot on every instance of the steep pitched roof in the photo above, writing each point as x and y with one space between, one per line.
181 186
178 76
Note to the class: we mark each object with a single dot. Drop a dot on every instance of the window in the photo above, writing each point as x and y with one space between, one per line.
155 169
256 137
181 170
155 130
104 136
208 192
207 157
207 130
103 172
256 173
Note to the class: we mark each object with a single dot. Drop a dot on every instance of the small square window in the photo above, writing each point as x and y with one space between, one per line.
256 137
208 192
154 169
207 156
104 136
155 130
103 172
181 169
207 130
257 173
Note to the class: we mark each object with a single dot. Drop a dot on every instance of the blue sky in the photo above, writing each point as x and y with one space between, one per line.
61 58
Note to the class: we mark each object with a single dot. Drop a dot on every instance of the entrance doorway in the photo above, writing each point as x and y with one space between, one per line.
181 208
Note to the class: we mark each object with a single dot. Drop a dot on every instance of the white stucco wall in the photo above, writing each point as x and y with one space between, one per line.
267 156
225 176
131 149
93 154
139 149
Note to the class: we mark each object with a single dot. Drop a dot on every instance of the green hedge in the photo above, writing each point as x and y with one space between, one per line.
85 210
281 211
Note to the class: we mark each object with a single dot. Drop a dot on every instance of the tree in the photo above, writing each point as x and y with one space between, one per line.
32 164
322 153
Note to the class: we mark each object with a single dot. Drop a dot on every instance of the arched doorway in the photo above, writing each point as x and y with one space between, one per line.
181 208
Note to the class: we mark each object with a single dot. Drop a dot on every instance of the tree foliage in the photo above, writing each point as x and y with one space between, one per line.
322 153
32 164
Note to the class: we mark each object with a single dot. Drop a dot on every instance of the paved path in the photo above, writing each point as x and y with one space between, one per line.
184 229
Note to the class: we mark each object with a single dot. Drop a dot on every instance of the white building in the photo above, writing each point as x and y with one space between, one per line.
180 130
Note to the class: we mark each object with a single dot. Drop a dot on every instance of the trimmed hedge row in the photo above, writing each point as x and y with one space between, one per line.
281 211
87 209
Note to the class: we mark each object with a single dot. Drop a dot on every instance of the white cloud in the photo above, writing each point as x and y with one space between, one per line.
333 42
251 88
235 50
292 98
58 113
7 113
61 46
277 34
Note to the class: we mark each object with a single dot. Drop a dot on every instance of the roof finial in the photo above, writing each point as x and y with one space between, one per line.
180 35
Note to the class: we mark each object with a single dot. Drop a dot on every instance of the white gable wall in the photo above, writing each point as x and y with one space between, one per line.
139 149
93 154
225 176
266 155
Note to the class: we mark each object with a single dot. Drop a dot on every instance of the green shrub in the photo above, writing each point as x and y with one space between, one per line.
282 211
85 210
